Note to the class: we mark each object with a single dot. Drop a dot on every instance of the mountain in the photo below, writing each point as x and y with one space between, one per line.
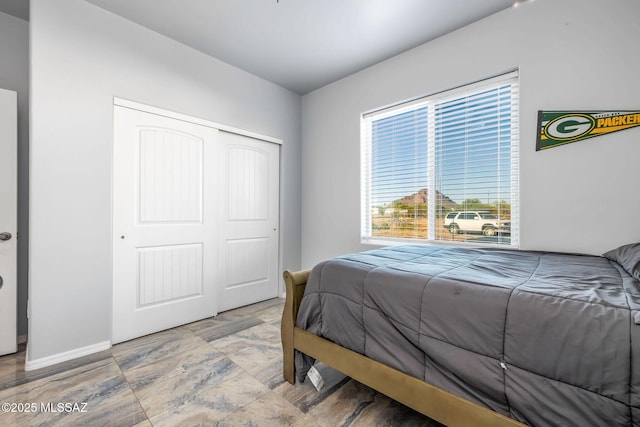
422 197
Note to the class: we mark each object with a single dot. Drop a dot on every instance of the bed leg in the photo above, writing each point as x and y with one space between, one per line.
295 283
286 331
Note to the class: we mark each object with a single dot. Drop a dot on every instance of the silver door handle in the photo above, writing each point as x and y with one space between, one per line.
5 236
1 282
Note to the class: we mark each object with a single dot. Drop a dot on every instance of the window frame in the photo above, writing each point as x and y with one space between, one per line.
510 78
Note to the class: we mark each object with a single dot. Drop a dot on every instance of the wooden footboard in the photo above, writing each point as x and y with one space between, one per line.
425 398
295 283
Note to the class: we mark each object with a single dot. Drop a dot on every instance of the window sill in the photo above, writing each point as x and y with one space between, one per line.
380 242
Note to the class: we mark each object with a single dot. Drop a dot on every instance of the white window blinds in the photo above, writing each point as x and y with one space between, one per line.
444 167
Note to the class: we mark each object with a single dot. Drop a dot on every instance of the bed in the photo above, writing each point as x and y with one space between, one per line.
476 336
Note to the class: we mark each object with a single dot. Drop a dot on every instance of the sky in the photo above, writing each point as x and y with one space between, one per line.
471 138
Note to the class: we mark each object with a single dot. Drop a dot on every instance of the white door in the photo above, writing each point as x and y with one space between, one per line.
165 232
250 215
8 220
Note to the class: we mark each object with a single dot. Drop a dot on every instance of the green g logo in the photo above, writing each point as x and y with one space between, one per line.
570 126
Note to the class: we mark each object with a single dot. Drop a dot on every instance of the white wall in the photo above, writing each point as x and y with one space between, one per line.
14 75
572 54
81 57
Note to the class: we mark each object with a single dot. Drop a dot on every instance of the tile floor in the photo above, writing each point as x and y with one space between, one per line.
222 371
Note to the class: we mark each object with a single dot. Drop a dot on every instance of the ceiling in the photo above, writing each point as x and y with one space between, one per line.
298 44
17 8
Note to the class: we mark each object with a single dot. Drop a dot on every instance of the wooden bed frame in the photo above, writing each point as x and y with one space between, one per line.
425 398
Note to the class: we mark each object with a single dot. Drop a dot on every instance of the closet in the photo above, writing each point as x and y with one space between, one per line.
195 219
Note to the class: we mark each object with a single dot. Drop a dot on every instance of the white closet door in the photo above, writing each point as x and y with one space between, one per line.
250 215
8 220
166 238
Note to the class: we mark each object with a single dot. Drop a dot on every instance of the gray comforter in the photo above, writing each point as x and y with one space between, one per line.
545 338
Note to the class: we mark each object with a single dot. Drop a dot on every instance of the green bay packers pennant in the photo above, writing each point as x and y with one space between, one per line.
564 127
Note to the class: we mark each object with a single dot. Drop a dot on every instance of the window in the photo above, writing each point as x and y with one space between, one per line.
444 167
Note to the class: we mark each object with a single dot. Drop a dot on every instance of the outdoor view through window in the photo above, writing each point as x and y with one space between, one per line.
444 167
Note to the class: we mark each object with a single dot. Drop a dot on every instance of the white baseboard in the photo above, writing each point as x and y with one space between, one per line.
31 365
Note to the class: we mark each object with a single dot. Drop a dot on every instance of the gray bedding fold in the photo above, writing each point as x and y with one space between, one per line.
546 338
